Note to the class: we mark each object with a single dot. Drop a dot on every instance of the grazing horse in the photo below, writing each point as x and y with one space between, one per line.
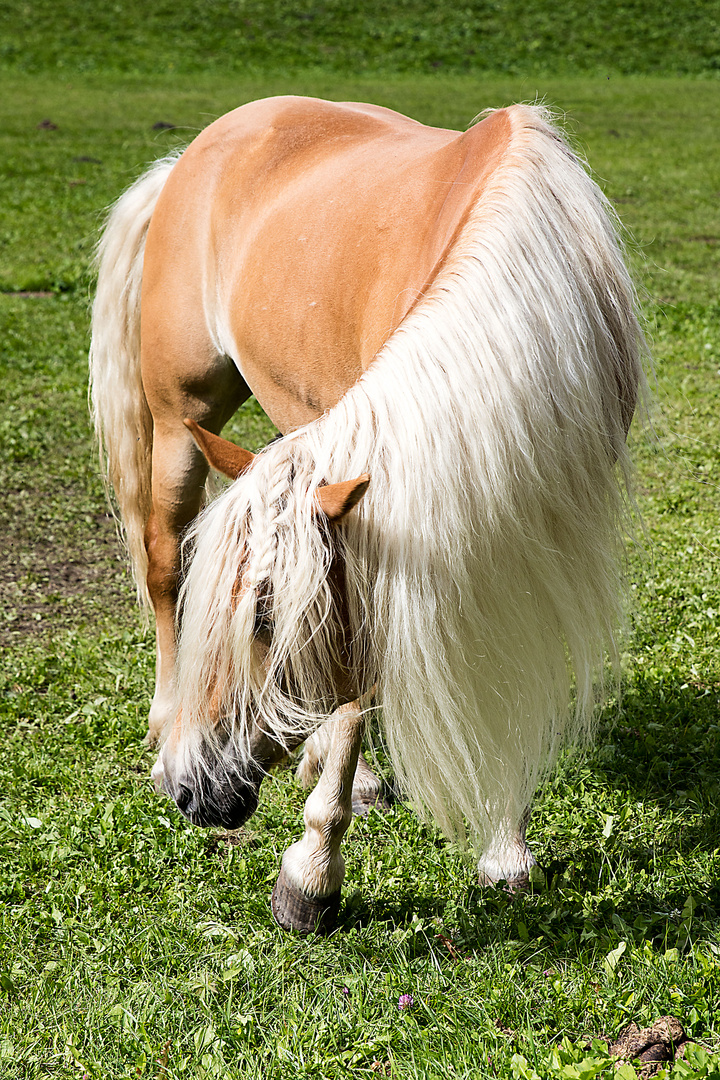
442 326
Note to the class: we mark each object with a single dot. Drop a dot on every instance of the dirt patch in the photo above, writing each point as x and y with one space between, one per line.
60 570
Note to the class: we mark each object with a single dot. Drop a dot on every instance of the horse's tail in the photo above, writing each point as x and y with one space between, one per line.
123 423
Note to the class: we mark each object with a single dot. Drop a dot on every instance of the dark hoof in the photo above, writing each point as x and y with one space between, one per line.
513 887
293 910
363 803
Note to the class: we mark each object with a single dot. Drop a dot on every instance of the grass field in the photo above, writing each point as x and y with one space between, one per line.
419 36
132 944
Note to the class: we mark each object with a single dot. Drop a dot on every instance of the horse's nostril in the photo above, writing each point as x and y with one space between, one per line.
184 797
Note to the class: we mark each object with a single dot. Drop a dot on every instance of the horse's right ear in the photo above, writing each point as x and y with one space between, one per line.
337 500
221 454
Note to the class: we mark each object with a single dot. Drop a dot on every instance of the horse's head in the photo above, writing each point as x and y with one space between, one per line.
265 650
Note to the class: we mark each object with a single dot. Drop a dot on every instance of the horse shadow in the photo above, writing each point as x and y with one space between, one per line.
656 759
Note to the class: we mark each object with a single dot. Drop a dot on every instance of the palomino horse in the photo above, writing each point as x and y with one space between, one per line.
442 326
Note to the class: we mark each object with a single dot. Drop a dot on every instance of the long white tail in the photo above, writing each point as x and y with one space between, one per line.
123 423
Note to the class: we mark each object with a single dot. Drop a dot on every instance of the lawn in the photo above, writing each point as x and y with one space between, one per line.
132 944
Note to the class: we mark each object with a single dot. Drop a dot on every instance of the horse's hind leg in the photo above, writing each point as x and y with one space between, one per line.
368 790
307 894
178 475
507 856
179 471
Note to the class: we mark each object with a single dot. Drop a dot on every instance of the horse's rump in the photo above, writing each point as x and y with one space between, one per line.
294 236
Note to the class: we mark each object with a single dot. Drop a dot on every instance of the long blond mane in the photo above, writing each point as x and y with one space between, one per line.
482 565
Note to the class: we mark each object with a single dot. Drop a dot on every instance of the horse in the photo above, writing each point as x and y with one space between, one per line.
442 327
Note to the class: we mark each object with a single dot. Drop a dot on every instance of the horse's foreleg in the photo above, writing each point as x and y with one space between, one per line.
307 894
507 856
367 789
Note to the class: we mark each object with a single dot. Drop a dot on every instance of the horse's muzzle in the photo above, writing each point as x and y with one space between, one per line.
227 801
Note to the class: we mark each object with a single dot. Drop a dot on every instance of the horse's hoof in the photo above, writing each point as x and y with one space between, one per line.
364 802
293 910
362 806
512 886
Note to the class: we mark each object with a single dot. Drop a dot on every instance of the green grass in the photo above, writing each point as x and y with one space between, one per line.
132 944
251 36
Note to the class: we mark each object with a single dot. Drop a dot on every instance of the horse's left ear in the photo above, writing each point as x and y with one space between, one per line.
221 454
337 500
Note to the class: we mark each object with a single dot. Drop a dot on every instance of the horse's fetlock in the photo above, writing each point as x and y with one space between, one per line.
338 819
326 815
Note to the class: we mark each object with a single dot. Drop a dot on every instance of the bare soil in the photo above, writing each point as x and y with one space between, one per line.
59 571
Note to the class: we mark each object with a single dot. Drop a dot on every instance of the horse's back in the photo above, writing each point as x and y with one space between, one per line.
301 232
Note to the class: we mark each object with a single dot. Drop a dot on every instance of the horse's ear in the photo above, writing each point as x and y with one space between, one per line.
226 457
337 500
